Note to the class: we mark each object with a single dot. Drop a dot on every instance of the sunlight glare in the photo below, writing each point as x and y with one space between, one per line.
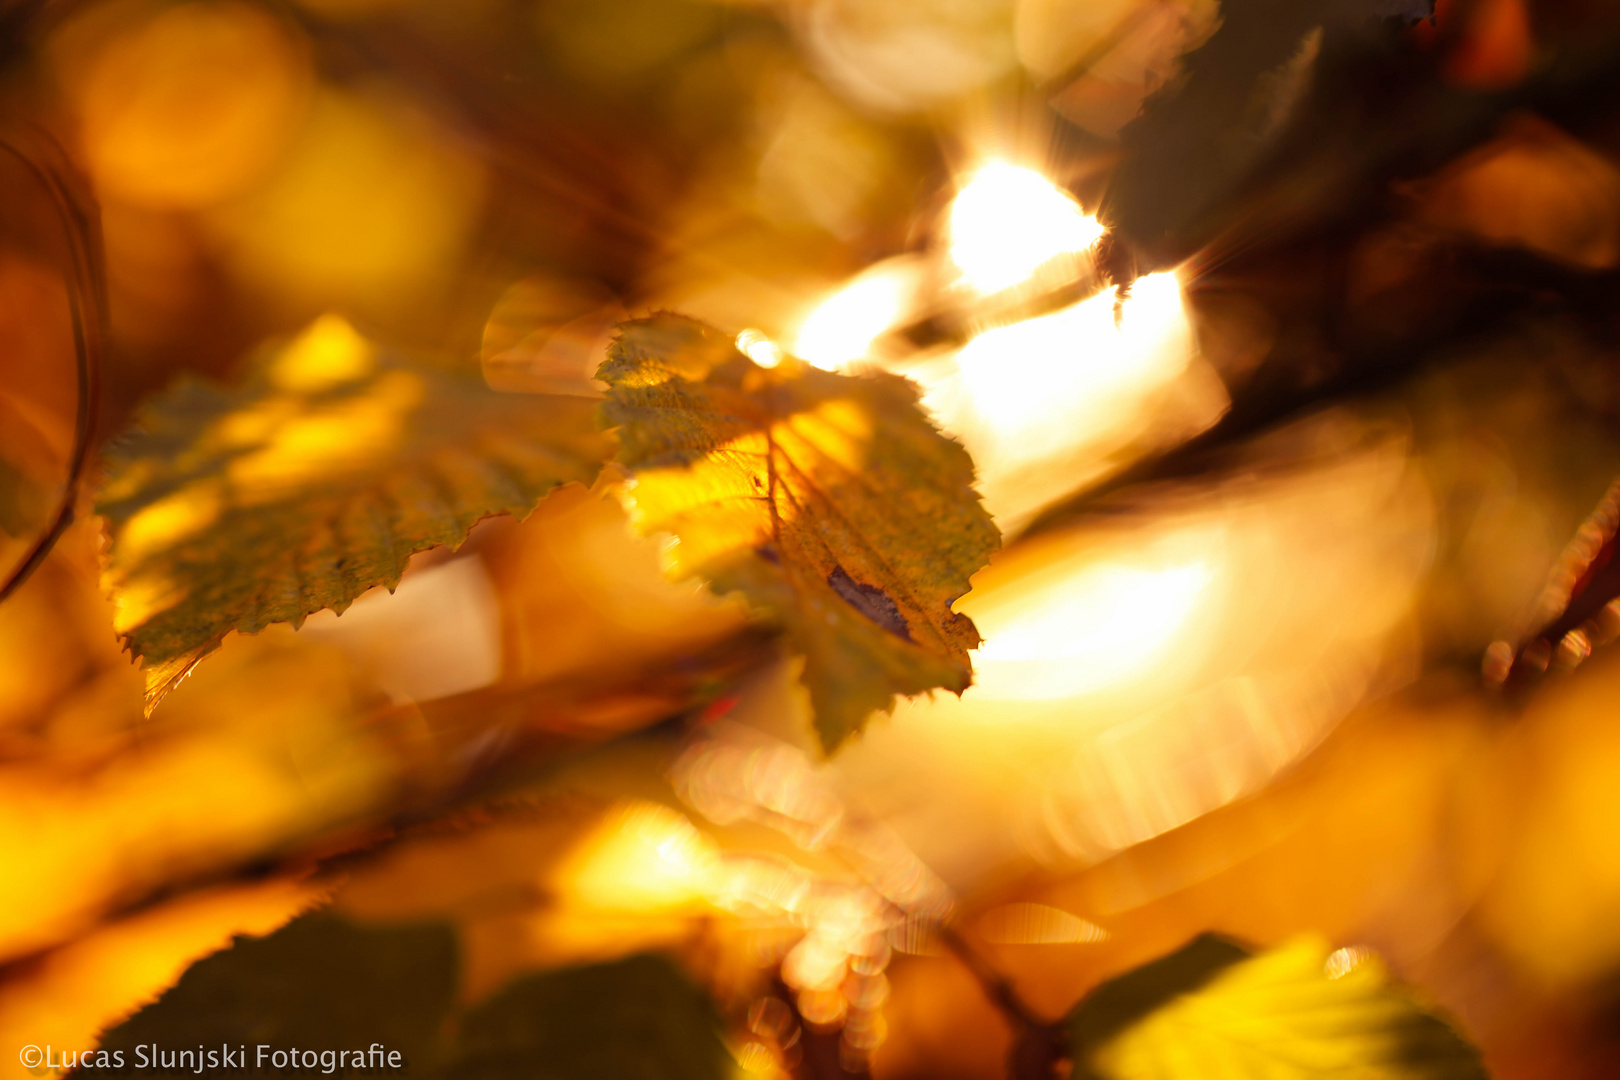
646 857
1078 358
1009 220
1080 626
1044 404
842 328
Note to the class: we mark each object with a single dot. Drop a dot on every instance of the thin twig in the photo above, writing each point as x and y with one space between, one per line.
85 281
1038 1044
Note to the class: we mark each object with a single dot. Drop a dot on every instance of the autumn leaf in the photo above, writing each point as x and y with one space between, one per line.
829 501
638 1018
325 984
319 982
311 482
1299 1011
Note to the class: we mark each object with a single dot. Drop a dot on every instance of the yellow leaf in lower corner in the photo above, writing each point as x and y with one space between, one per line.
1298 1012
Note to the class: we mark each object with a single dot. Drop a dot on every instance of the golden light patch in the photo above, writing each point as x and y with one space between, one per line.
328 354
718 504
331 440
257 423
193 106
838 431
722 503
171 519
644 858
370 205
138 600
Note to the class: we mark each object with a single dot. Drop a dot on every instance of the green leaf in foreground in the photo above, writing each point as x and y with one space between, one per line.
1212 1010
829 501
314 480
325 984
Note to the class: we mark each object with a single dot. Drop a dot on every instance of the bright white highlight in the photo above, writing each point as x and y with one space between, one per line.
1047 404
1087 626
841 330
1036 381
1008 220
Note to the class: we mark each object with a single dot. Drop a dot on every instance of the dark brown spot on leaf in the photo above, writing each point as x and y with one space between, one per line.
870 601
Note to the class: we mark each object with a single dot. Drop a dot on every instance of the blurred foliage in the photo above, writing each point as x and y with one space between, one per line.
395 983
1267 510
397 986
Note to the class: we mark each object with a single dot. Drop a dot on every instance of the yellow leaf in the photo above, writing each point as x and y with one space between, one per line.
1298 1012
829 501
313 481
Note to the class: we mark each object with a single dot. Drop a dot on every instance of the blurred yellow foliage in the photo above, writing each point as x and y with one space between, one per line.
370 206
328 353
193 104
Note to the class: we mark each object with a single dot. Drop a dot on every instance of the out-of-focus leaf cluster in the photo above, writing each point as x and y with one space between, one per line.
1273 510
396 988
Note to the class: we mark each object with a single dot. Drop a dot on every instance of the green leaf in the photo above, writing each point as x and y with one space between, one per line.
829 501
1212 1011
322 983
634 1019
314 480
318 983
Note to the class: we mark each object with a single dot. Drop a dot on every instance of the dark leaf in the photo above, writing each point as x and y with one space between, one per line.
634 1019
1199 142
322 983
318 983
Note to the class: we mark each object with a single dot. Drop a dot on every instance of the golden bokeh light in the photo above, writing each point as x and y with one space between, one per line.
643 858
348 433
1150 666
173 518
370 205
900 56
548 334
1202 519
327 354
192 106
